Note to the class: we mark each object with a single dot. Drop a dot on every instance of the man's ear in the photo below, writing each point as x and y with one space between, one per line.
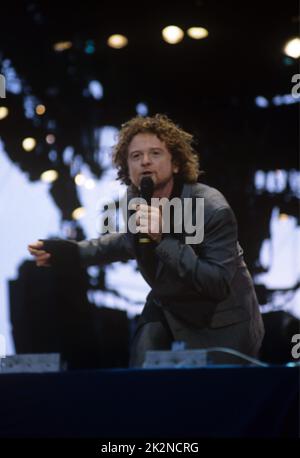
175 168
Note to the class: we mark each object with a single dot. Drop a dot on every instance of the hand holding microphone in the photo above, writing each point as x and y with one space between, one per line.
148 218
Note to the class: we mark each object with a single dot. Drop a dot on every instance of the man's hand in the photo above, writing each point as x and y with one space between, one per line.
41 256
149 221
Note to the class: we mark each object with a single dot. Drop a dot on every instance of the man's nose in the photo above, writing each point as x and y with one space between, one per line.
146 159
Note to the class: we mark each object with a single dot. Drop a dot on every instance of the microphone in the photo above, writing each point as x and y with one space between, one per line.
146 192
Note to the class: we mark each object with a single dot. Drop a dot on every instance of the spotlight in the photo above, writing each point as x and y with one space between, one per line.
49 176
40 109
29 144
89 184
283 217
141 109
96 89
79 179
62 46
292 48
50 139
78 213
261 101
3 112
52 155
117 41
89 47
172 34
197 33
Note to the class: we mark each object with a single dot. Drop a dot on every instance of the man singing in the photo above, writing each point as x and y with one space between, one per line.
201 293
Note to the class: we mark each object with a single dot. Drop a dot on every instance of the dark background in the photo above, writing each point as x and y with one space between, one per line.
208 87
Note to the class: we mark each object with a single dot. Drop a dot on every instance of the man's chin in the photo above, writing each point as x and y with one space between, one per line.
150 175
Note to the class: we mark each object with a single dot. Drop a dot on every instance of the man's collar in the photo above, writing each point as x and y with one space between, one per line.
186 191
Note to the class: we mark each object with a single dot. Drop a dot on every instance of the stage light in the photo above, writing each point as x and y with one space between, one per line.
96 89
141 109
117 41
172 34
259 180
49 176
68 154
292 48
89 183
79 179
52 155
89 47
40 109
197 33
3 112
50 139
62 46
29 143
285 99
261 101
283 217
78 213
288 61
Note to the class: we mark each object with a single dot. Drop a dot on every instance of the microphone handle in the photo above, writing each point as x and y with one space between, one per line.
147 187
144 238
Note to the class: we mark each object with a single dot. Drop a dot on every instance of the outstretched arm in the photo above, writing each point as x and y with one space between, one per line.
104 250
42 257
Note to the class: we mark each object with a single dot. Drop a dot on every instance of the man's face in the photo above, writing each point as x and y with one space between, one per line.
149 156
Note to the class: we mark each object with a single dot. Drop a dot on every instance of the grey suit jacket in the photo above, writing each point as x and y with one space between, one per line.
205 285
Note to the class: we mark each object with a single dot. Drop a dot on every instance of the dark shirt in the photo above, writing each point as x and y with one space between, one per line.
146 251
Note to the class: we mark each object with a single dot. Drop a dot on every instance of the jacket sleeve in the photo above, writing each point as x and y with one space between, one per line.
209 268
106 249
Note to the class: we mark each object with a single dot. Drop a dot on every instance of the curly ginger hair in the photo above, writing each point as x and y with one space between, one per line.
178 142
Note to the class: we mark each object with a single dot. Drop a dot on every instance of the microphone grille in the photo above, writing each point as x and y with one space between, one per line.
147 188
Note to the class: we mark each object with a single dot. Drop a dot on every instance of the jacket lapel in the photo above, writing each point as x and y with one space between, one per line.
186 192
